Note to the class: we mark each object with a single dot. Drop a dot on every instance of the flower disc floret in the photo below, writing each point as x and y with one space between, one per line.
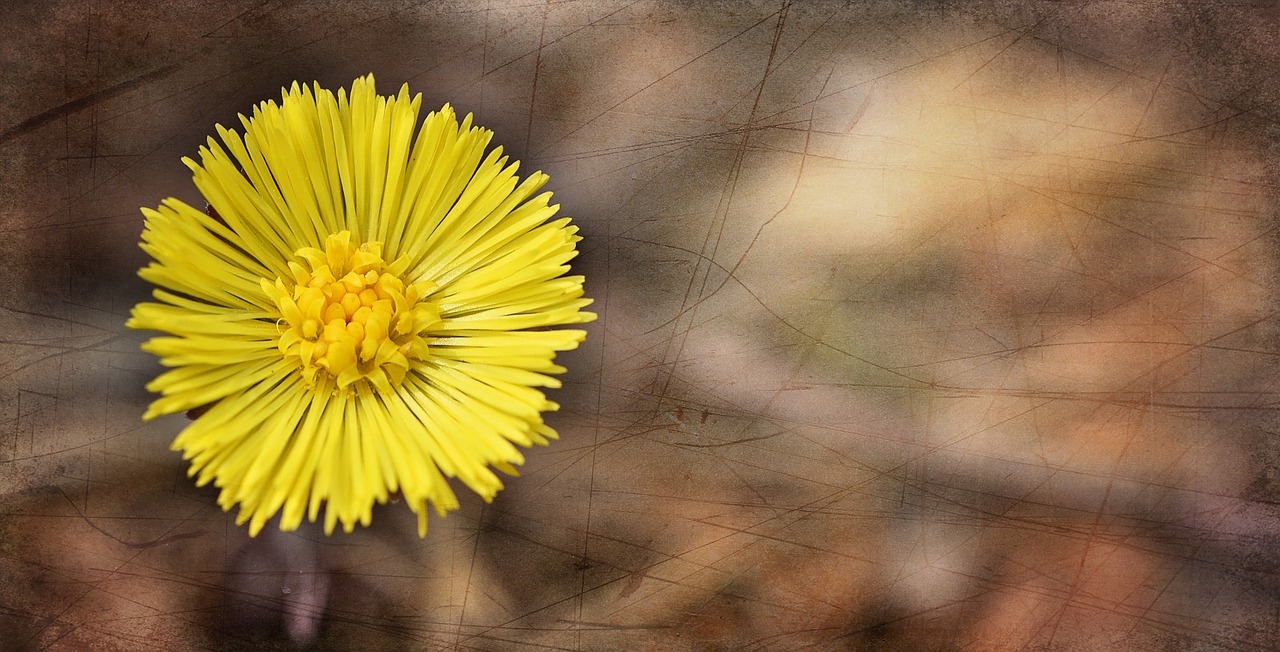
349 315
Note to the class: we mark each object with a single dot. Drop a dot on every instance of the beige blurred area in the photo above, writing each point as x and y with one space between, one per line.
923 326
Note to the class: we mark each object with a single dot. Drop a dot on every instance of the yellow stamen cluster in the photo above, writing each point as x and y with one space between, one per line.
347 314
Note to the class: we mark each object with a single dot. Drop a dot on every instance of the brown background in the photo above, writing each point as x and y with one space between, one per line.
922 326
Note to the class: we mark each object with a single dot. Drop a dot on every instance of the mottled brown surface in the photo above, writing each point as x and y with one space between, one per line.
922 326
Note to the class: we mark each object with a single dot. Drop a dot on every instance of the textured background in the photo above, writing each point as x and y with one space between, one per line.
922 326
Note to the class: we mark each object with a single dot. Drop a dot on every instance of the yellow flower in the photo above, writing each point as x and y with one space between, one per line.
363 311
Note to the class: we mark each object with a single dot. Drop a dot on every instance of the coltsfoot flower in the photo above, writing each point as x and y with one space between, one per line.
361 310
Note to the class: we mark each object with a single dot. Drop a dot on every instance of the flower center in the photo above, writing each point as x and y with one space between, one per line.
347 314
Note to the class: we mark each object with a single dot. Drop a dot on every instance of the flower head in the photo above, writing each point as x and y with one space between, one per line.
363 311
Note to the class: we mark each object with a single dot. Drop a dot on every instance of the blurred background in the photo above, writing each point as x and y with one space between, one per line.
923 326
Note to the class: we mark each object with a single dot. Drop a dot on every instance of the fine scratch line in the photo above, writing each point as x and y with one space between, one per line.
73 106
